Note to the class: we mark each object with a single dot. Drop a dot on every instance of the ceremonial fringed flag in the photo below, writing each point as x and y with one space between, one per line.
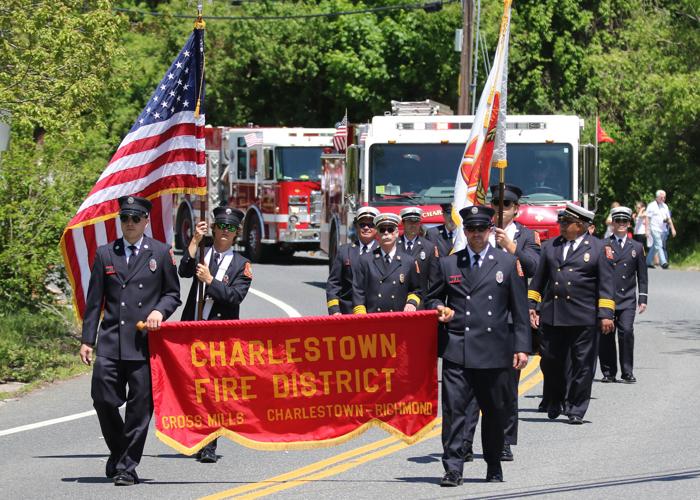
162 154
340 139
486 146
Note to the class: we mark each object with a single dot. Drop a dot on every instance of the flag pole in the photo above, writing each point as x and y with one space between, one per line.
199 24
501 192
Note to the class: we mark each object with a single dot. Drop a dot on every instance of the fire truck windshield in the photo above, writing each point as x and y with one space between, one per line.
408 174
298 163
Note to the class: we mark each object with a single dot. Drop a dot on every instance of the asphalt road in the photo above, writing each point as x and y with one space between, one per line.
639 441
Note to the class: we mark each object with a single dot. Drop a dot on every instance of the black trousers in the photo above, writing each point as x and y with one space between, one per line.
511 428
125 438
624 327
491 390
575 346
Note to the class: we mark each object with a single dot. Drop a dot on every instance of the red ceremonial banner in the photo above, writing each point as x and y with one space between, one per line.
280 384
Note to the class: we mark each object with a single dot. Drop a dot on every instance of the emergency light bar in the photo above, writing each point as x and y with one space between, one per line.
465 126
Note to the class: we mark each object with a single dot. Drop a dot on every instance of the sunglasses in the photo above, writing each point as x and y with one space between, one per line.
387 229
365 225
506 203
135 218
477 229
620 221
565 222
227 227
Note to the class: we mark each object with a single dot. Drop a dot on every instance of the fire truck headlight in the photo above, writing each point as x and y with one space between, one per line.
293 219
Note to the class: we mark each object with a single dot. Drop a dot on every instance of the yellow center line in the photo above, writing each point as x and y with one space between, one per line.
314 472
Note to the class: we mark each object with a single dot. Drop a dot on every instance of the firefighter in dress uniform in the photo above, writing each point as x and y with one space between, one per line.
443 236
225 274
339 284
630 271
475 291
386 279
524 243
574 286
133 279
423 251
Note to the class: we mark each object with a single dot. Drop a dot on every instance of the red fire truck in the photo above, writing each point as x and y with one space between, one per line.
411 157
273 175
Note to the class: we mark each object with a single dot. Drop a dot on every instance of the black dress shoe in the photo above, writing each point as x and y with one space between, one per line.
469 454
553 411
608 379
542 408
111 467
208 456
494 474
506 454
574 420
629 379
451 478
125 478
664 266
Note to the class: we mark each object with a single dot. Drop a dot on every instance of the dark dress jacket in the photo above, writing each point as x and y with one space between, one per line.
227 294
479 336
577 291
127 296
339 284
630 270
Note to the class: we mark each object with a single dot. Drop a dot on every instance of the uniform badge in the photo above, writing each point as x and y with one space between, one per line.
474 210
634 253
586 257
229 211
455 279
422 255
401 278
248 270
109 270
499 277
130 200
225 279
152 265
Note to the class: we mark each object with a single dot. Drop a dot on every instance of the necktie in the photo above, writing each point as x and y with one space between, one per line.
214 263
450 235
365 249
132 256
409 245
620 242
475 265
568 248
387 259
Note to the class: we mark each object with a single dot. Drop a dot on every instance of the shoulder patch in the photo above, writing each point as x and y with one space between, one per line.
519 268
248 270
172 256
608 252
538 241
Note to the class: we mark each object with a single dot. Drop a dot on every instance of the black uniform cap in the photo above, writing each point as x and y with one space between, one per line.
228 215
477 215
510 192
134 205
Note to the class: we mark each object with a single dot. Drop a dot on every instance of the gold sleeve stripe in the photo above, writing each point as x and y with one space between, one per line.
359 310
534 295
607 303
414 297
334 302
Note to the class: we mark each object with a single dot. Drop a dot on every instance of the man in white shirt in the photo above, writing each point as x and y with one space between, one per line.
658 216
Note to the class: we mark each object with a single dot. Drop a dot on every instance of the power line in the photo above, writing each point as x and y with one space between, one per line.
427 6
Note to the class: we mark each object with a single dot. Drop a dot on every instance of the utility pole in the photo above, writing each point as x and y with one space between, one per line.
465 60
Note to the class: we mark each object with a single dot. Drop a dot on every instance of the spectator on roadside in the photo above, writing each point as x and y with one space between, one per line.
658 216
608 220
640 222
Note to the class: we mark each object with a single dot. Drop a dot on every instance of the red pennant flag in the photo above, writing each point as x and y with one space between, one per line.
601 134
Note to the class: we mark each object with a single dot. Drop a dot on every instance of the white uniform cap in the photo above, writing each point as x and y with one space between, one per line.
363 212
411 212
385 219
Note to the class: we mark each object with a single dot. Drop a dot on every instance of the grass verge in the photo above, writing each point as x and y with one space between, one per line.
36 348
687 258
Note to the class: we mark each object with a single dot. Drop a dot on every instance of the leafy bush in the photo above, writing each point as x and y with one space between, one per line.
37 347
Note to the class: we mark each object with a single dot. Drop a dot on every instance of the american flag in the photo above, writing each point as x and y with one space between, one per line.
253 139
340 139
162 154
